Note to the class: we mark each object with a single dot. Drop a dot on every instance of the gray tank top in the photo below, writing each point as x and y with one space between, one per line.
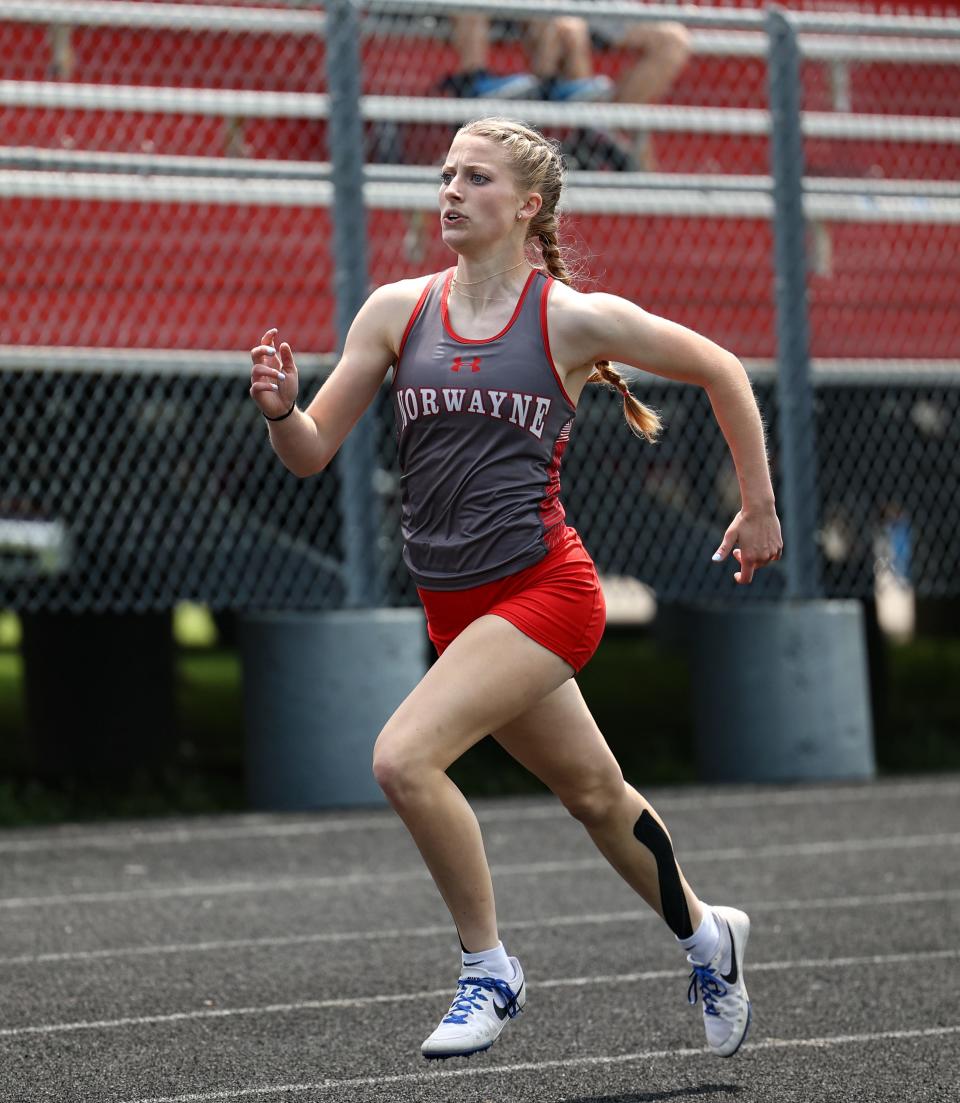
481 426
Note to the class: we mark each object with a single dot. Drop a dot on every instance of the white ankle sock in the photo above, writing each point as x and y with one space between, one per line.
493 961
705 940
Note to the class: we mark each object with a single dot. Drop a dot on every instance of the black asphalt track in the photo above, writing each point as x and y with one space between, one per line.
292 959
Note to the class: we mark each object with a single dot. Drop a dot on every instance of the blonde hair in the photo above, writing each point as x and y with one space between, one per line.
537 165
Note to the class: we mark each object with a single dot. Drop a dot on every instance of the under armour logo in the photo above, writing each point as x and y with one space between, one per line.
458 363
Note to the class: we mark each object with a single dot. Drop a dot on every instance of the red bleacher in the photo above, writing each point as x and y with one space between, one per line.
213 276
137 276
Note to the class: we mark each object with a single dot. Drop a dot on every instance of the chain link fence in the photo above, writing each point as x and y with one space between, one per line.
166 197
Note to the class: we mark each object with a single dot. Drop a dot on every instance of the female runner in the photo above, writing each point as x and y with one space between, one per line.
490 359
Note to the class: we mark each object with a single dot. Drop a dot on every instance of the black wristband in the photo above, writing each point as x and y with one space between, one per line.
282 416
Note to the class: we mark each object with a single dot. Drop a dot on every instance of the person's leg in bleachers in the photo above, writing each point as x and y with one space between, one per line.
561 55
470 35
659 52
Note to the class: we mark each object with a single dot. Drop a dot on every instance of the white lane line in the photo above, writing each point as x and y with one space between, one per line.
441 930
607 1061
525 869
126 837
875 960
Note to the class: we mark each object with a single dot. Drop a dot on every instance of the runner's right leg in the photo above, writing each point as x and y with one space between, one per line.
491 673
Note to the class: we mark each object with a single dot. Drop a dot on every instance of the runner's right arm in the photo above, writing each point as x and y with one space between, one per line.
307 440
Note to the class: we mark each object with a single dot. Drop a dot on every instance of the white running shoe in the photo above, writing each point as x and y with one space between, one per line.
481 1008
726 1007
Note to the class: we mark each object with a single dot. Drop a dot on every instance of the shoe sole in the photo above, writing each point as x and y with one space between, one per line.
743 1036
741 945
479 1049
598 92
521 92
447 1056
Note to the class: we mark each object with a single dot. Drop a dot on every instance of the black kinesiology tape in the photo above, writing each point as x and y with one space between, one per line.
647 831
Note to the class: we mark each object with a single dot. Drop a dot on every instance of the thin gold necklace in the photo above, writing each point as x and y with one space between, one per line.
473 283
483 298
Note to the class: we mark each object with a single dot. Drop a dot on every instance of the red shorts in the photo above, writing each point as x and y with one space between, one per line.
558 602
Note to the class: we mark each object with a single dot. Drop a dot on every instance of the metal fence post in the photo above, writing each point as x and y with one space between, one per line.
313 718
357 458
783 689
797 428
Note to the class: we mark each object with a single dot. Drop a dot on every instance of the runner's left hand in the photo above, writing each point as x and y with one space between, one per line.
755 540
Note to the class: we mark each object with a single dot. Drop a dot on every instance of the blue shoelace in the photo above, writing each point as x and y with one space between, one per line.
711 988
471 997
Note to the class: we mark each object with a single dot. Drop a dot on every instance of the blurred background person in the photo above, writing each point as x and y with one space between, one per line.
470 36
659 51
560 56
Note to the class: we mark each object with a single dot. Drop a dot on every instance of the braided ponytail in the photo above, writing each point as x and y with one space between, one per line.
643 421
538 166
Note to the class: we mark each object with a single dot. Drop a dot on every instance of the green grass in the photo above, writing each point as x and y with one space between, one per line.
638 690
177 791
12 718
919 730
210 707
206 777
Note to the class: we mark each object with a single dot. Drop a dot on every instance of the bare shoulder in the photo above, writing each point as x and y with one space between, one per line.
402 292
391 304
582 308
578 324
370 348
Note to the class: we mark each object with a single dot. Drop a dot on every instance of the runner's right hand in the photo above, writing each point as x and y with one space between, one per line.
274 382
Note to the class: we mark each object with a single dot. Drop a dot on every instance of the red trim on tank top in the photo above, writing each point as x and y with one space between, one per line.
444 314
413 317
546 338
550 507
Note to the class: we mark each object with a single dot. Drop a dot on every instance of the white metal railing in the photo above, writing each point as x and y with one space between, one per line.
732 18
153 362
182 17
236 363
33 158
844 48
231 103
844 43
72 174
401 196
